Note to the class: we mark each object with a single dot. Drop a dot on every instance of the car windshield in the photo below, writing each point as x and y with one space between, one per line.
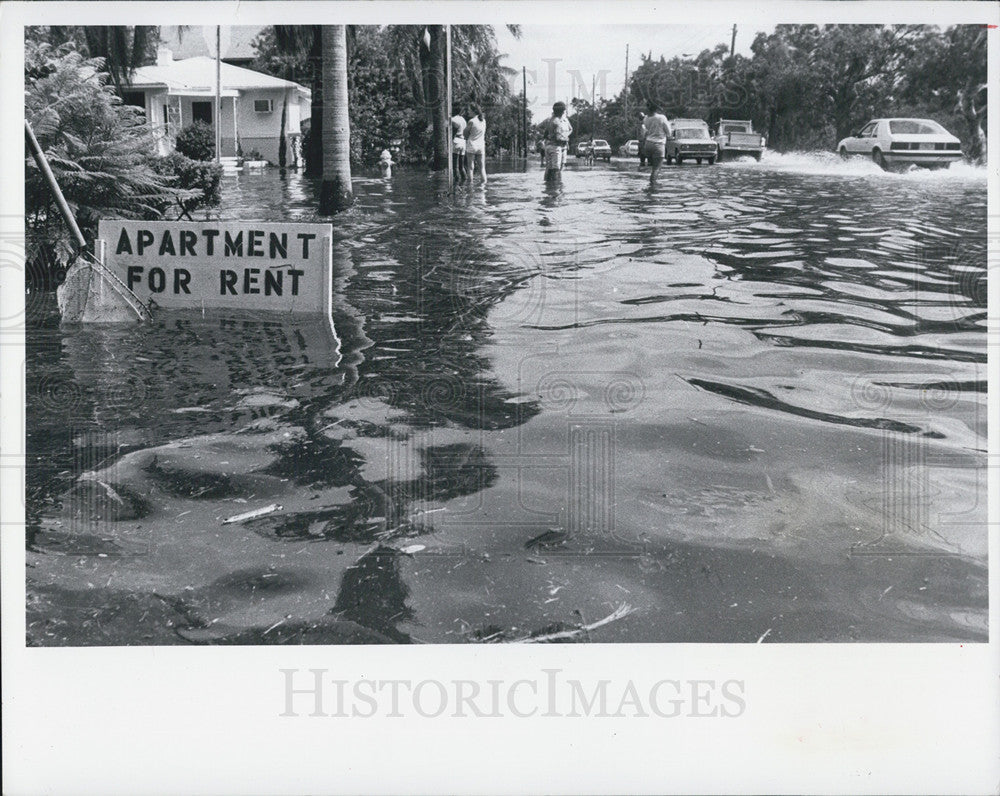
734 128
600 142
691 132
915 127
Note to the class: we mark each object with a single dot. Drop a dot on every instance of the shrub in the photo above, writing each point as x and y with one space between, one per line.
196 142
199 181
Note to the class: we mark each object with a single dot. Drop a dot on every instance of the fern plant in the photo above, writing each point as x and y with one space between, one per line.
101 151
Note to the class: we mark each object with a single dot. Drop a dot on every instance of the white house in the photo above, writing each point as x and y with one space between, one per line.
174 94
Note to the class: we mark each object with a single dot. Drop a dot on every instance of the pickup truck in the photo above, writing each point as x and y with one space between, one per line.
689 140
736 138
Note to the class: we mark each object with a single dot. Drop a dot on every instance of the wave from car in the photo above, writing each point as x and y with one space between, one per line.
901 142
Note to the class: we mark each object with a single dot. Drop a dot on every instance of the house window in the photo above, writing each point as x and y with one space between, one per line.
136 98
263 106
201 112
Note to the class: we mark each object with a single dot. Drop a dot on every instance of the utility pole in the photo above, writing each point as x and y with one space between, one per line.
626 84
524 108
447 72
732 46
218 93
593 98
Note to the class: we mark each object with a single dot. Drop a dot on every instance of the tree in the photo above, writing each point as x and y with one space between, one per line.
437 95
123 48
294 52
946 79
336 193
396 84
101 151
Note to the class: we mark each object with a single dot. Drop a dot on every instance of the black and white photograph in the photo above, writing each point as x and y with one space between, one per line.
504 333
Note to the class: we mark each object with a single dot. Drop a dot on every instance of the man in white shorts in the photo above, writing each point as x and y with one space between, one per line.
475 144
656 129
556 131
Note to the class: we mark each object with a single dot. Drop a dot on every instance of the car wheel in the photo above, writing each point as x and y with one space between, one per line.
698 161
678 159
879 159
711 161
756 156
843 153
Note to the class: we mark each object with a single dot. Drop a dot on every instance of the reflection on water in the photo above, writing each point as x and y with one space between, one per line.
751 400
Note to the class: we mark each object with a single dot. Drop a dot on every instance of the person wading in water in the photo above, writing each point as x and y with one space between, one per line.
641 135
556 131
475 145
656 129
458 145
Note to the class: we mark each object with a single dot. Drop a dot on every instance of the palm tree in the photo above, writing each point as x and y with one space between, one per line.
124 48
336 193
437 96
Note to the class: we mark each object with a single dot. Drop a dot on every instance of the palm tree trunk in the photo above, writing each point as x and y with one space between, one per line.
438 98
335 193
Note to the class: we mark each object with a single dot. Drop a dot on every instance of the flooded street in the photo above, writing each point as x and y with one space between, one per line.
750 404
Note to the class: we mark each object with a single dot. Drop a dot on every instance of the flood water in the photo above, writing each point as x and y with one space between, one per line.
749 404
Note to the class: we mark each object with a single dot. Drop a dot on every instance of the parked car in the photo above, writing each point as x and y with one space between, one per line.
630 149
689 140
602 149
900 142
736 138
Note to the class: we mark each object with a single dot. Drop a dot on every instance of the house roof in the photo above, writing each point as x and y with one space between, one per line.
197 75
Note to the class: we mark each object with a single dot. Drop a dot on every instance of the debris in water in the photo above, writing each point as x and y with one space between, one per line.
252 515
111 493
620 612
410 549
551 538
764 635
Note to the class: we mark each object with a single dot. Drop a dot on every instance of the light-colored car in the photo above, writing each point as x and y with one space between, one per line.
900 142
602 149
630 149
689 140
737 138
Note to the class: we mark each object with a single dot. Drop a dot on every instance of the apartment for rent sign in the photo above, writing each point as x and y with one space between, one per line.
233 265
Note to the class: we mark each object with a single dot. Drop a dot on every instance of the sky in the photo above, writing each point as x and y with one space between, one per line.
564 56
